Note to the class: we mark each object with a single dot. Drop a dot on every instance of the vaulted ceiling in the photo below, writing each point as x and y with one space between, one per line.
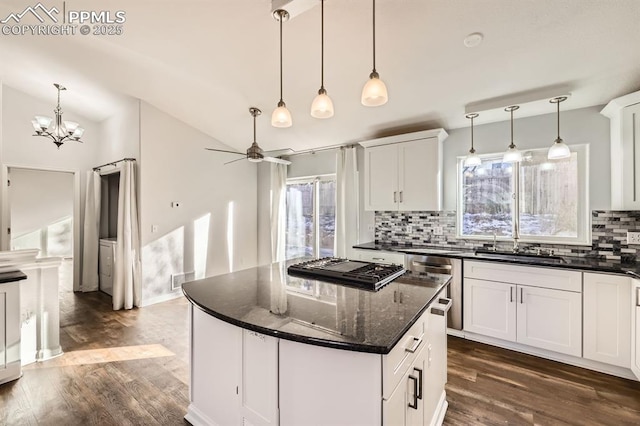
206 61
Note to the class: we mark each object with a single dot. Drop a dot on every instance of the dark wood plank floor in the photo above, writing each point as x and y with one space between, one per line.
131 368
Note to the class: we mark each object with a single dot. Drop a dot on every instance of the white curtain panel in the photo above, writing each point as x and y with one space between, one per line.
90 278
127 286
278 211
347 206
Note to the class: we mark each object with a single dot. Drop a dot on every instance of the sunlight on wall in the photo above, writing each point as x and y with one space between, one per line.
230 235
201 245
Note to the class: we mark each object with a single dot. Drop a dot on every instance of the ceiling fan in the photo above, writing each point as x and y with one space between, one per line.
255 154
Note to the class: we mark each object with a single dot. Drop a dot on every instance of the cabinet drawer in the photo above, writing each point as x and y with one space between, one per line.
380 256
555 278
396 362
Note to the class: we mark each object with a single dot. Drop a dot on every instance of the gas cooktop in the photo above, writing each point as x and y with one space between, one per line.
366 275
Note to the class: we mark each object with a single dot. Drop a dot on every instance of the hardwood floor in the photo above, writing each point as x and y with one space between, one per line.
131 368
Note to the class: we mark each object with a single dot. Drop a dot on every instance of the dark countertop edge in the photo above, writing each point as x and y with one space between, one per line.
470 255
353 347
12 276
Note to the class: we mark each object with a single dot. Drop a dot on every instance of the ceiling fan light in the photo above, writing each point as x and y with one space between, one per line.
281 116
559 150
374 92
43 121
255 160
322 105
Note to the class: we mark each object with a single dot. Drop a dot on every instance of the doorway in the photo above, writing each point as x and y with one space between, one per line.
43 213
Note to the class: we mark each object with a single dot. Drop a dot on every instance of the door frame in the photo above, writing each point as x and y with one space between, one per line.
5 214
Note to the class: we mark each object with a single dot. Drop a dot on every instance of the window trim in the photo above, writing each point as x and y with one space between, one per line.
584 208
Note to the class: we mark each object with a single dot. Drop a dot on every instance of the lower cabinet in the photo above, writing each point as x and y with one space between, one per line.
547 318
239 377
635 324
607 318
9 332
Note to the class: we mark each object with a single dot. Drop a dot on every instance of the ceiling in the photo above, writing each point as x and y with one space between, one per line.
206 61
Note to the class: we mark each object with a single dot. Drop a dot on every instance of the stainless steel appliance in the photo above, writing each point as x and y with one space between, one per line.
434 264
366 275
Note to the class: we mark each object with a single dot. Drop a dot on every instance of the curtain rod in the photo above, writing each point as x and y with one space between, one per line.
327 148
113 163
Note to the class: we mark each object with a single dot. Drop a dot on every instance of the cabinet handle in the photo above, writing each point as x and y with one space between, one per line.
401 297
415 392
395 197
638 296
401 196
511 294
419 370
378 258
395 296
416 345
521 296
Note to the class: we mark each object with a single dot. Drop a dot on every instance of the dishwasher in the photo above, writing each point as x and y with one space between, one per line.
443 265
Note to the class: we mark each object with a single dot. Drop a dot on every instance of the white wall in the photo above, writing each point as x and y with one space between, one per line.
174 166
580 126
120 134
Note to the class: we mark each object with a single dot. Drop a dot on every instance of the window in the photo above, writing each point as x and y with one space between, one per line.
539 199
311 217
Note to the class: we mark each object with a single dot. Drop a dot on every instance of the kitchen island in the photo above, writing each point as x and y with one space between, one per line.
268 348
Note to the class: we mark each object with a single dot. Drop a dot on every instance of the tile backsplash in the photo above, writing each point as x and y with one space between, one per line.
608 233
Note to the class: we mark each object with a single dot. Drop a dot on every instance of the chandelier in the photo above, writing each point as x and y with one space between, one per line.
54 128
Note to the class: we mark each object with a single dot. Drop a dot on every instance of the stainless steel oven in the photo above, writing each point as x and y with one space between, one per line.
432 263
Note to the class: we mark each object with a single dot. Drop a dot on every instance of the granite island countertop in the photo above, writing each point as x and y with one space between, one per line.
12 276
267 300
584 263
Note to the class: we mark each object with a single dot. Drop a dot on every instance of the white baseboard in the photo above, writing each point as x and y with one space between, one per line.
197 417
162 298
441 410
601 367
46 354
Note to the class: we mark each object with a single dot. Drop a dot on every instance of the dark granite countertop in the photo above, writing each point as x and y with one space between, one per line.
267 300
12 276
568 262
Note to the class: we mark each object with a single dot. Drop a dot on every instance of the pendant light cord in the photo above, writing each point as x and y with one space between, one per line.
512 144
374 35
254 127
558 104
322 45
472 150
281 18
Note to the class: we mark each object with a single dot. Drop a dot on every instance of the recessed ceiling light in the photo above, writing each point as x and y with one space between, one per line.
473 39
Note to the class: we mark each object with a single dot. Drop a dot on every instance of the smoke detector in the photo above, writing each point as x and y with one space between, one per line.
473 39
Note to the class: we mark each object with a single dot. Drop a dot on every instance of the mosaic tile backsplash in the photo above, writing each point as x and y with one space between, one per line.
608 233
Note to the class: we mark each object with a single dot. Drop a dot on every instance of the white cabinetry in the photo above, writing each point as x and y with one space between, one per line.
607 318
404 172
106 264
539 307
624 113
635 325
9 331
379 256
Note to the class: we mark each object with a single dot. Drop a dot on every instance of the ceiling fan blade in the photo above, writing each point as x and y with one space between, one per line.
279 152
233 161
222 150
277 160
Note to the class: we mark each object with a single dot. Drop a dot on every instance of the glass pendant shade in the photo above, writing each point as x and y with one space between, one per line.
374 92
43 122
322 105
71 126
281 117
472 159
77 133
558 150
512 155
36 126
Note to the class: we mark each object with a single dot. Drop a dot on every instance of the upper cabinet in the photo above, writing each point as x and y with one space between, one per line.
624 113
404 172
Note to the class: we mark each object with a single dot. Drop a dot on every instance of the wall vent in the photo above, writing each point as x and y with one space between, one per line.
178 279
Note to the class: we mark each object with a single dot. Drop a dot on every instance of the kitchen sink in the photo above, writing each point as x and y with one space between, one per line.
509 255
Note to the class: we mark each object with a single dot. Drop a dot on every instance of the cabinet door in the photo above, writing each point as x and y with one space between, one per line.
436 364
631 157
490 308
607 319
418 375
381 178
259 389
550 319
635 337
419 175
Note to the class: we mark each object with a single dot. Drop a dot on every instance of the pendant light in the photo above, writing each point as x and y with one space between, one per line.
322 105
512 154
472 159
559 149
56 129
374 92
281 117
